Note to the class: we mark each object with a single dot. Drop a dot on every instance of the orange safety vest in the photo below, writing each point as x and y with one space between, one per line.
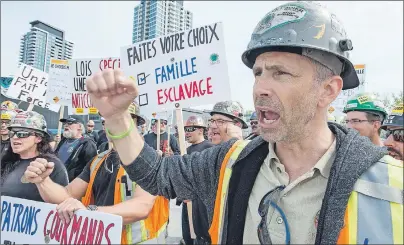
378 190
150 230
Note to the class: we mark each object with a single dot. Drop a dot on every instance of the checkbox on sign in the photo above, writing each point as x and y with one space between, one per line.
141 78
143 100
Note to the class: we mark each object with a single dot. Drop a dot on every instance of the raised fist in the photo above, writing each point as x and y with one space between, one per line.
111 92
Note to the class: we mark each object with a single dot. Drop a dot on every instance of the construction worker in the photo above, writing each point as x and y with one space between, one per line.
6 118
254 126
104 186
303 180
166 148
29 143
227 119
194 134
394 125
8 111
366 114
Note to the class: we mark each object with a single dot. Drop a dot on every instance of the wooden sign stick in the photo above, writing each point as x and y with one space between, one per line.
181 139
30 107
158 134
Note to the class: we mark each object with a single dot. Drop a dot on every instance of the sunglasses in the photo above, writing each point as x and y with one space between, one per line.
190 129
90 126
267 204
253 123
398 134
21 134
154 121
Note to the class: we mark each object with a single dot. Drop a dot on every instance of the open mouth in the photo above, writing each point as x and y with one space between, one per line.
267 117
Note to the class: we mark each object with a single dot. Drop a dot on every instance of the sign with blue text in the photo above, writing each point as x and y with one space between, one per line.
188 68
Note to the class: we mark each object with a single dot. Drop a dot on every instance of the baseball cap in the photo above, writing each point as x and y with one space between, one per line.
72 119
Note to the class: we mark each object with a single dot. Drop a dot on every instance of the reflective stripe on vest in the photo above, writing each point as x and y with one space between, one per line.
150 230
374 213
216 227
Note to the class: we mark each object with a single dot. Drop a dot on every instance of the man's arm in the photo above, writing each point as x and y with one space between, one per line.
133 210
184 177
56 194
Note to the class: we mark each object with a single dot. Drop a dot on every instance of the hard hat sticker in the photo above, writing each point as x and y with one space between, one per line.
363 99
280 16
351 105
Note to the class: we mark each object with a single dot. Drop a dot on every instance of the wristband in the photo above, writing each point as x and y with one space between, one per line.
123 135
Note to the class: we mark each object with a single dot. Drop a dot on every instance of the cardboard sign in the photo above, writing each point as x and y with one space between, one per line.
59 91
29 222
30 85
80 70
188 68
340 102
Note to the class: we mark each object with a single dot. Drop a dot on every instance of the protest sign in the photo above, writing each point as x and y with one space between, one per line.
188 68
80 70
339 103
59 91
29 222
5 84
30 85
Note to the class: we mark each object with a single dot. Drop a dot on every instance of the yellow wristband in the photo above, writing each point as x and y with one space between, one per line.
123 135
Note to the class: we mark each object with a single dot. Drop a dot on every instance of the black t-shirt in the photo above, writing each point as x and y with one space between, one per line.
104 182
199 212
11 183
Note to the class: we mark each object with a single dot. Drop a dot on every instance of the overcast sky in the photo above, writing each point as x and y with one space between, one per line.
99 29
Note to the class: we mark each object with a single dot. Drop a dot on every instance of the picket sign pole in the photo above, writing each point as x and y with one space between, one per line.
168 138
158 134
30 107
181 139
61 114
19 103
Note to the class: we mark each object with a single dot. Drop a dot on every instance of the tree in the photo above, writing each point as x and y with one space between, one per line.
391 99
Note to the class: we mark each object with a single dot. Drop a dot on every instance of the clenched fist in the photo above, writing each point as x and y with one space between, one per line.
37 171
233 131
111 92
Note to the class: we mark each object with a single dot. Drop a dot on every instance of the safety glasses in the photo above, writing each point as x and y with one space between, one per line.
154 121
268 206
6 122
190 129
21 134
398 134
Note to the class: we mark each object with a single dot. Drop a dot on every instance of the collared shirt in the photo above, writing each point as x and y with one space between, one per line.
300 200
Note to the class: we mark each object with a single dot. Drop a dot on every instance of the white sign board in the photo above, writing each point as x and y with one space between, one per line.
29 222
188 68
80 70
342 99
30 85
58 85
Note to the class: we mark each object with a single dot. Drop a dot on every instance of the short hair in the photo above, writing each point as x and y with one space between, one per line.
375 117
322 72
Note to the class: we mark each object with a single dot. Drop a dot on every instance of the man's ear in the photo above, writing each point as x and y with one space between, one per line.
331 88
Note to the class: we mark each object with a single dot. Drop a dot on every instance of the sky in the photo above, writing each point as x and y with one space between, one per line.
99 29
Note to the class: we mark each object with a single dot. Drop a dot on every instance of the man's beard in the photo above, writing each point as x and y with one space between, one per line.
292 122
68 134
